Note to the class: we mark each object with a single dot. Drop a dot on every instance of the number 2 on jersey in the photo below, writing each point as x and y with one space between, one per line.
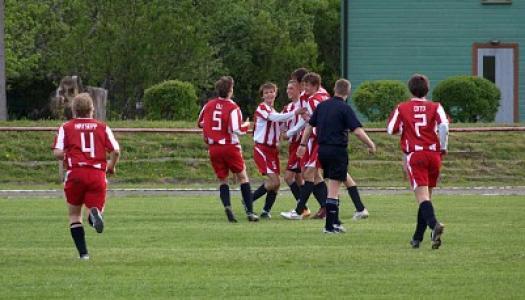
422 121
88 149
217 118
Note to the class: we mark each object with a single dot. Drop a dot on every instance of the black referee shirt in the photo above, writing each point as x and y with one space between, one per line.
333 118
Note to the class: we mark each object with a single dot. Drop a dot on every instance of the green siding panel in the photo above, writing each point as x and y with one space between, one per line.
394 39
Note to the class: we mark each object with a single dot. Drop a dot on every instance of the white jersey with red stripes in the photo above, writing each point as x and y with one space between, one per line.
85 143
417 121
293 121
267 124
221 122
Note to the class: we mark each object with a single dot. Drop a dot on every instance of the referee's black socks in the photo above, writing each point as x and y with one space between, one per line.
321 193
306 191
246 192
78 235
332 210
356 199
427 212
259 192
224 191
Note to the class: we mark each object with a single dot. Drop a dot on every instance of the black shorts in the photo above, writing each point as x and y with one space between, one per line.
334 161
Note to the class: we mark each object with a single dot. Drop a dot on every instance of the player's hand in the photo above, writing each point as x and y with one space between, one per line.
306 116
372 149
300 111
444 152
301 150
246 123
111 170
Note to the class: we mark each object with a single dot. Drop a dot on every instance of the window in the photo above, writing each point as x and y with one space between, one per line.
489 68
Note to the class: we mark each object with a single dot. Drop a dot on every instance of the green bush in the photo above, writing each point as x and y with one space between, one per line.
171 100
376 99
468 98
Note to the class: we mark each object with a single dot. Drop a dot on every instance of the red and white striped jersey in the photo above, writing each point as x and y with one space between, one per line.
293 121
267 124
221 122
417 121
85 143
310 104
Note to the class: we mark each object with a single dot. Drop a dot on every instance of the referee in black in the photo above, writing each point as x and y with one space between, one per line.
333 119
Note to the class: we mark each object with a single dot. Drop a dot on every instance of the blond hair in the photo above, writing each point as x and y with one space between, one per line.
342 87
82 106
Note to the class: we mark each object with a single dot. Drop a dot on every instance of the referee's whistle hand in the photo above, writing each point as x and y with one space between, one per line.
372 149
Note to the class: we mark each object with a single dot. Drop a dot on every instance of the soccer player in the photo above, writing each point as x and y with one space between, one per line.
313 181
83 143
332 119
293 169
221 123
417 120
266 135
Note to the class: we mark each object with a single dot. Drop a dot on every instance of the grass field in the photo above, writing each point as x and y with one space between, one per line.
182 247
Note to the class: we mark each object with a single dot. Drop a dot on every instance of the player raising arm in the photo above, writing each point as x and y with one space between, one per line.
83 143
416 121
221 123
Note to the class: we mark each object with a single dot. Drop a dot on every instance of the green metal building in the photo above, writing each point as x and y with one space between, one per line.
392 39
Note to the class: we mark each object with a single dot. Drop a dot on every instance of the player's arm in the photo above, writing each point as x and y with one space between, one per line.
114 151
236 124
394 124
302 146
442 128
281 117
200 121
58 145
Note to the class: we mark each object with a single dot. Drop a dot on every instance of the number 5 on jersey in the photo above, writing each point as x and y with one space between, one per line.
217 114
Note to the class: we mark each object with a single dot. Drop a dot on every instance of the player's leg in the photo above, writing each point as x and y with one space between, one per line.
77 230
292 175
95 198
246 193
306 191
433 175
221 170
351 187
320 192
273 184
260 158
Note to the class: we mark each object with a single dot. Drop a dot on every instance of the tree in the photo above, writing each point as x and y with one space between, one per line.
3 100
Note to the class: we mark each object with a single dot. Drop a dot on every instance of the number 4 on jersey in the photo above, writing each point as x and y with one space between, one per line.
91 147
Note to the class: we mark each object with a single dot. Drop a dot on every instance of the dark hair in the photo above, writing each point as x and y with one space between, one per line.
298 74
313 79
223 86
418 85
267 86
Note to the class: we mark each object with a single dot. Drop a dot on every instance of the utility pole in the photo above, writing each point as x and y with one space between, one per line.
3 99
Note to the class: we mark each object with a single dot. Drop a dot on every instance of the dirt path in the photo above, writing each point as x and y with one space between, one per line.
507 190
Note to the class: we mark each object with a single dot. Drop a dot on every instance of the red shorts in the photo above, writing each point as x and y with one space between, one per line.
225 158
423 168
294 162
310 158
86 186
266 159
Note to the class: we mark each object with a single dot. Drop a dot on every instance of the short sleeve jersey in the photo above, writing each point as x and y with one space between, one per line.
333 119
85 143
417 121
221 120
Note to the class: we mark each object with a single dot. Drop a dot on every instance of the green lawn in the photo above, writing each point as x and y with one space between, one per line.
182 247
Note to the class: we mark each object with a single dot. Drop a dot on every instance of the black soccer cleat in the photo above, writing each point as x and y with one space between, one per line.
415 244
265 215
230 215
96 219
436 234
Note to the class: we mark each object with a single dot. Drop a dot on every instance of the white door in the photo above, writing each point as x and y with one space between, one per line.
497 65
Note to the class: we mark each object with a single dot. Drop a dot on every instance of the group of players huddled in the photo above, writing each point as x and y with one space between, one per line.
317 142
